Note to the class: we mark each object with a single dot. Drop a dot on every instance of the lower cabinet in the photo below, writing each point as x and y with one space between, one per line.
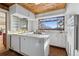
57 38
32 46
15 43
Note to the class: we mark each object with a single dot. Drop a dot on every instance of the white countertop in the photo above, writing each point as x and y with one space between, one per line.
38 35
31 34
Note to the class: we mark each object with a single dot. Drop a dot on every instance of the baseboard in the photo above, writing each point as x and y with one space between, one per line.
19 53
56 46
16 52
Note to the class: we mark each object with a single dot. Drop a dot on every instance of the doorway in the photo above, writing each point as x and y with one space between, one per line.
3 31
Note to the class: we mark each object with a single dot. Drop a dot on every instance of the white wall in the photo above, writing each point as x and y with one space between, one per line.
18 23
72 8
30 25
69 32
51 14
14 23
2 22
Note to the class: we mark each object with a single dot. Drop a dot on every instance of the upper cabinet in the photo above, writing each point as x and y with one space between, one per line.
72 8
21 12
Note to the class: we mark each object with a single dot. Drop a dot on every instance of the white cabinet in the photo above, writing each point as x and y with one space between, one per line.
57 39
32 46
19 11
15 42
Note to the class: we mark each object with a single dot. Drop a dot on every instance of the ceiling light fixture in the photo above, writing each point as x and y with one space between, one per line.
37 3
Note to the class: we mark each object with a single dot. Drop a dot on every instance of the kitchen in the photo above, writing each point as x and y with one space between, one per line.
32 34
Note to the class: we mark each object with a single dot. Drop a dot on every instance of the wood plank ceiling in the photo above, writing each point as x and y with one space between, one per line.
37 8
43 7
5 5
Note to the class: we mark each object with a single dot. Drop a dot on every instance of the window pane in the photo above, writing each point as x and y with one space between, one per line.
51 23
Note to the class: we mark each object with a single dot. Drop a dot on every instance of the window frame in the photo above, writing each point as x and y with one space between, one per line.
52 20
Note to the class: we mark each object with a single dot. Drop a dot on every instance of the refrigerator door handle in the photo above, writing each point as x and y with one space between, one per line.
76 37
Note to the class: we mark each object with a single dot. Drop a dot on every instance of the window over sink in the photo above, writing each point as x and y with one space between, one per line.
53 23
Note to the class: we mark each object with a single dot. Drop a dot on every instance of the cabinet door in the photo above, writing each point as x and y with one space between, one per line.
15 43
32 46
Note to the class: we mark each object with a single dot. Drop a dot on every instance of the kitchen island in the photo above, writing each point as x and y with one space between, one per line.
30 44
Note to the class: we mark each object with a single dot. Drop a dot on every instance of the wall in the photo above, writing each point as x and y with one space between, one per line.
18 23
14 23
2 22
30 25
69 33
57 38
72 8
51 14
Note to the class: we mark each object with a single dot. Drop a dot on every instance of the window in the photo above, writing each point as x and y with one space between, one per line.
56 23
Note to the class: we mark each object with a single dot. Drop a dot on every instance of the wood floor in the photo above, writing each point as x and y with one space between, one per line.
10 53
57 51
53 51
2 48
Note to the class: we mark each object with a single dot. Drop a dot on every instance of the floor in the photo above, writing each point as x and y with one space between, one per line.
2 48
57 51
10 53
53 51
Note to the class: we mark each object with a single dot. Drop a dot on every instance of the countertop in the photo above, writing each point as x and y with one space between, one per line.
30 34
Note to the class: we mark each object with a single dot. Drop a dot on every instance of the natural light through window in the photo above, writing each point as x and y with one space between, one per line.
52 23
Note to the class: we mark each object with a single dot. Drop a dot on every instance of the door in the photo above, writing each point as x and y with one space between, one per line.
3 30
15 42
